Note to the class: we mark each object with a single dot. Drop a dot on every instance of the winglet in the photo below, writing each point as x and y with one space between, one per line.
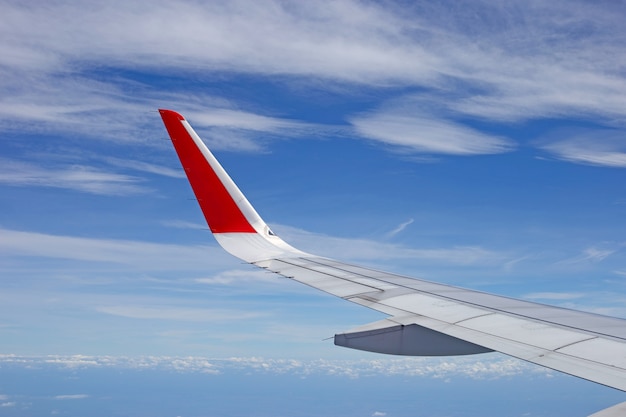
225 208
234 222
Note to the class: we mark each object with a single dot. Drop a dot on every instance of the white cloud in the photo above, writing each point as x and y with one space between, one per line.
146 167
554 296
182 224
227 128
603 148
238 277
76 106
372 250
161 256
596 255
589 255
177 313
270 37
506 60
143 255
418 132
486 367
107 111
75 177
237 119
399 228
71 397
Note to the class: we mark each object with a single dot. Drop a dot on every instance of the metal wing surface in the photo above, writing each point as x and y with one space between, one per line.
424 318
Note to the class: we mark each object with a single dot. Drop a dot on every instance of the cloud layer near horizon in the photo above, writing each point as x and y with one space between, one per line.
490 367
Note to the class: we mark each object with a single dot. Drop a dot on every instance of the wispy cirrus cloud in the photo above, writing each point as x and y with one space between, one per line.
71 397
229 128
590 255
238 119
399 228
144 255
237 277
598 147
183 224
146 167
372 250
554 296
82 108
178 313
417 133
505 60
160 255
74 177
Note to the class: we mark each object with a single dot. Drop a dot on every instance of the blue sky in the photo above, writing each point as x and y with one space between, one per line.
480 145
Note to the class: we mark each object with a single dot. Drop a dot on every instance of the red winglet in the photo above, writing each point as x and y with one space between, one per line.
220 210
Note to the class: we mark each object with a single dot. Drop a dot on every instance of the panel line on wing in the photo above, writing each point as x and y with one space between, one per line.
491 313
304 266
575 343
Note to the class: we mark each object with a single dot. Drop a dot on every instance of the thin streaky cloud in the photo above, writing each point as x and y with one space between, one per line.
366 249
238 277
501 61
554 296
84 111
226 128
71 397
183 224
23 243
399 228
589 255
143 255
237 119
514 62
416 133
75 106
601 148
74 177
178 313
146 167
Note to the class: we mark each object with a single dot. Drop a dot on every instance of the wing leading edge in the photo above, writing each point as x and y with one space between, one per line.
424 318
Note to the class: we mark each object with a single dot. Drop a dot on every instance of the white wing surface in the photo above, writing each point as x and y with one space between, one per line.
424 318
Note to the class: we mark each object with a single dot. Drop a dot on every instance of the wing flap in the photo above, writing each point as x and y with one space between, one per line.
389 337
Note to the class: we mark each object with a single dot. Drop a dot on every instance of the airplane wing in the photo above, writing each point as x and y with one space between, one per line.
423 318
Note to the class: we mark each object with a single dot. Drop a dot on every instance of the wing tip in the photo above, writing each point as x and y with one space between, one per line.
171 113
